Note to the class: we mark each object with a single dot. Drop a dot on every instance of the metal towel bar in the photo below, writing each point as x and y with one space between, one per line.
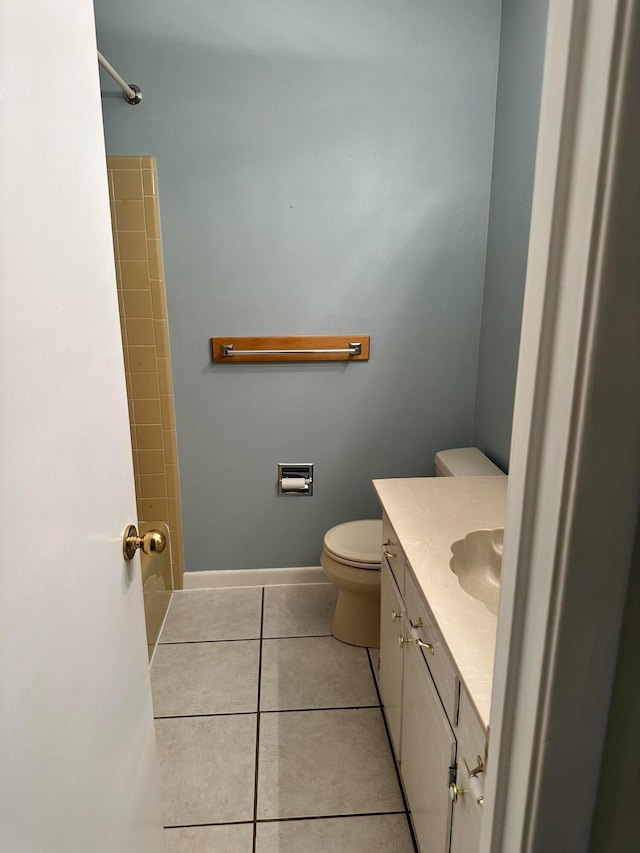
228 351
274 349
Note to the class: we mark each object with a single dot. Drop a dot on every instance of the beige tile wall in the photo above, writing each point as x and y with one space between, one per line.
143 318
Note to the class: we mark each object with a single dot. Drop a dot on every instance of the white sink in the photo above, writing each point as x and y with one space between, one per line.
477 563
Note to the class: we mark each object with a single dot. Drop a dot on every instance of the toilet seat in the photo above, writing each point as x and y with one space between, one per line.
356 544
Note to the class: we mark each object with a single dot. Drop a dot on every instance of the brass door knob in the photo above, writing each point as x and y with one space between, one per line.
153 542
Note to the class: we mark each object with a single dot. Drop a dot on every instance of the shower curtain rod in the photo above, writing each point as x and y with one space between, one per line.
130 92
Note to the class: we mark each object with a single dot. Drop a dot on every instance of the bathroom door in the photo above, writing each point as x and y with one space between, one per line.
78 764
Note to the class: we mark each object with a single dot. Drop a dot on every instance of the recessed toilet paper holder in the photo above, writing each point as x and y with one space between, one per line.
295 478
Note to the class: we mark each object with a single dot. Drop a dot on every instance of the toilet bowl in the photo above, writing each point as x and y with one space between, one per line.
351 556
351 559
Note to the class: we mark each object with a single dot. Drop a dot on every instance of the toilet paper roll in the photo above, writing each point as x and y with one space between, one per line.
294 484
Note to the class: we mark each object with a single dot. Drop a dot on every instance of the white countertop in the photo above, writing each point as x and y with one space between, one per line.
428 514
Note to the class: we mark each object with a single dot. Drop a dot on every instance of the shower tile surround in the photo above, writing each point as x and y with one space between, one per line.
271 737
143 318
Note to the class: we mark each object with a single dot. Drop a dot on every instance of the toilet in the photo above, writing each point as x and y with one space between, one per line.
351 556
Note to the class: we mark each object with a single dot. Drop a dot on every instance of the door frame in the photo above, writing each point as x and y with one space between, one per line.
574 490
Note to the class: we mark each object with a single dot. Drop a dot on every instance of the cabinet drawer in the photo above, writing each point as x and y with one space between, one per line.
393 553
437 658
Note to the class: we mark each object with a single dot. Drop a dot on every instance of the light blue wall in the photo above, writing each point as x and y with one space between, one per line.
324 168
522 42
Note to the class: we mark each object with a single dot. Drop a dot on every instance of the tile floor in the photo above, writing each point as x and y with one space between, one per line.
270 733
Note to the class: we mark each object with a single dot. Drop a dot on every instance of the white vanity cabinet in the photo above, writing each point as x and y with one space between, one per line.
434 729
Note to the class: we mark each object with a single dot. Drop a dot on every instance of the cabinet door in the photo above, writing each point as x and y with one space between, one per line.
391 654
472 748
428 751
467 816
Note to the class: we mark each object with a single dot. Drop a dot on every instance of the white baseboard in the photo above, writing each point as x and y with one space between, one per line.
254 577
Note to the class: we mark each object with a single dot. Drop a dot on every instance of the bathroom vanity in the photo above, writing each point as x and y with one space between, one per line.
436 652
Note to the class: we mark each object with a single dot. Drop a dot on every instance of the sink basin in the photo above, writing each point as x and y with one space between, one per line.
477 563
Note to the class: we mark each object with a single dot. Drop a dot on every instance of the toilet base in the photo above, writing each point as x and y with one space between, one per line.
356 619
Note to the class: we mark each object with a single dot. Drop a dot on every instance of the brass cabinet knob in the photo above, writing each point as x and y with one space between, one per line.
479 768
395 615
389 554
153 542
427 646
455 792
402 641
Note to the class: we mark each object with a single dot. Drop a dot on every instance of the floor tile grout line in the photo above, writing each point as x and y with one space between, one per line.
298 637
291 819
255 782
242 639
219 823
206 642
328 708
201 716
393 755
326 816
268 711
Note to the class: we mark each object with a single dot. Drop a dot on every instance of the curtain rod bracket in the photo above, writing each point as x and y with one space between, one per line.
135 99
130 92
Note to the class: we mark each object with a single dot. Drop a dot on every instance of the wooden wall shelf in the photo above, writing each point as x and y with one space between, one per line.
255 350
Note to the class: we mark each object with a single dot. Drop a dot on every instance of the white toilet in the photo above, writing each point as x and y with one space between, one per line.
351 556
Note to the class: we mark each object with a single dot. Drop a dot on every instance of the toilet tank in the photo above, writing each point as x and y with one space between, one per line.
465 462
